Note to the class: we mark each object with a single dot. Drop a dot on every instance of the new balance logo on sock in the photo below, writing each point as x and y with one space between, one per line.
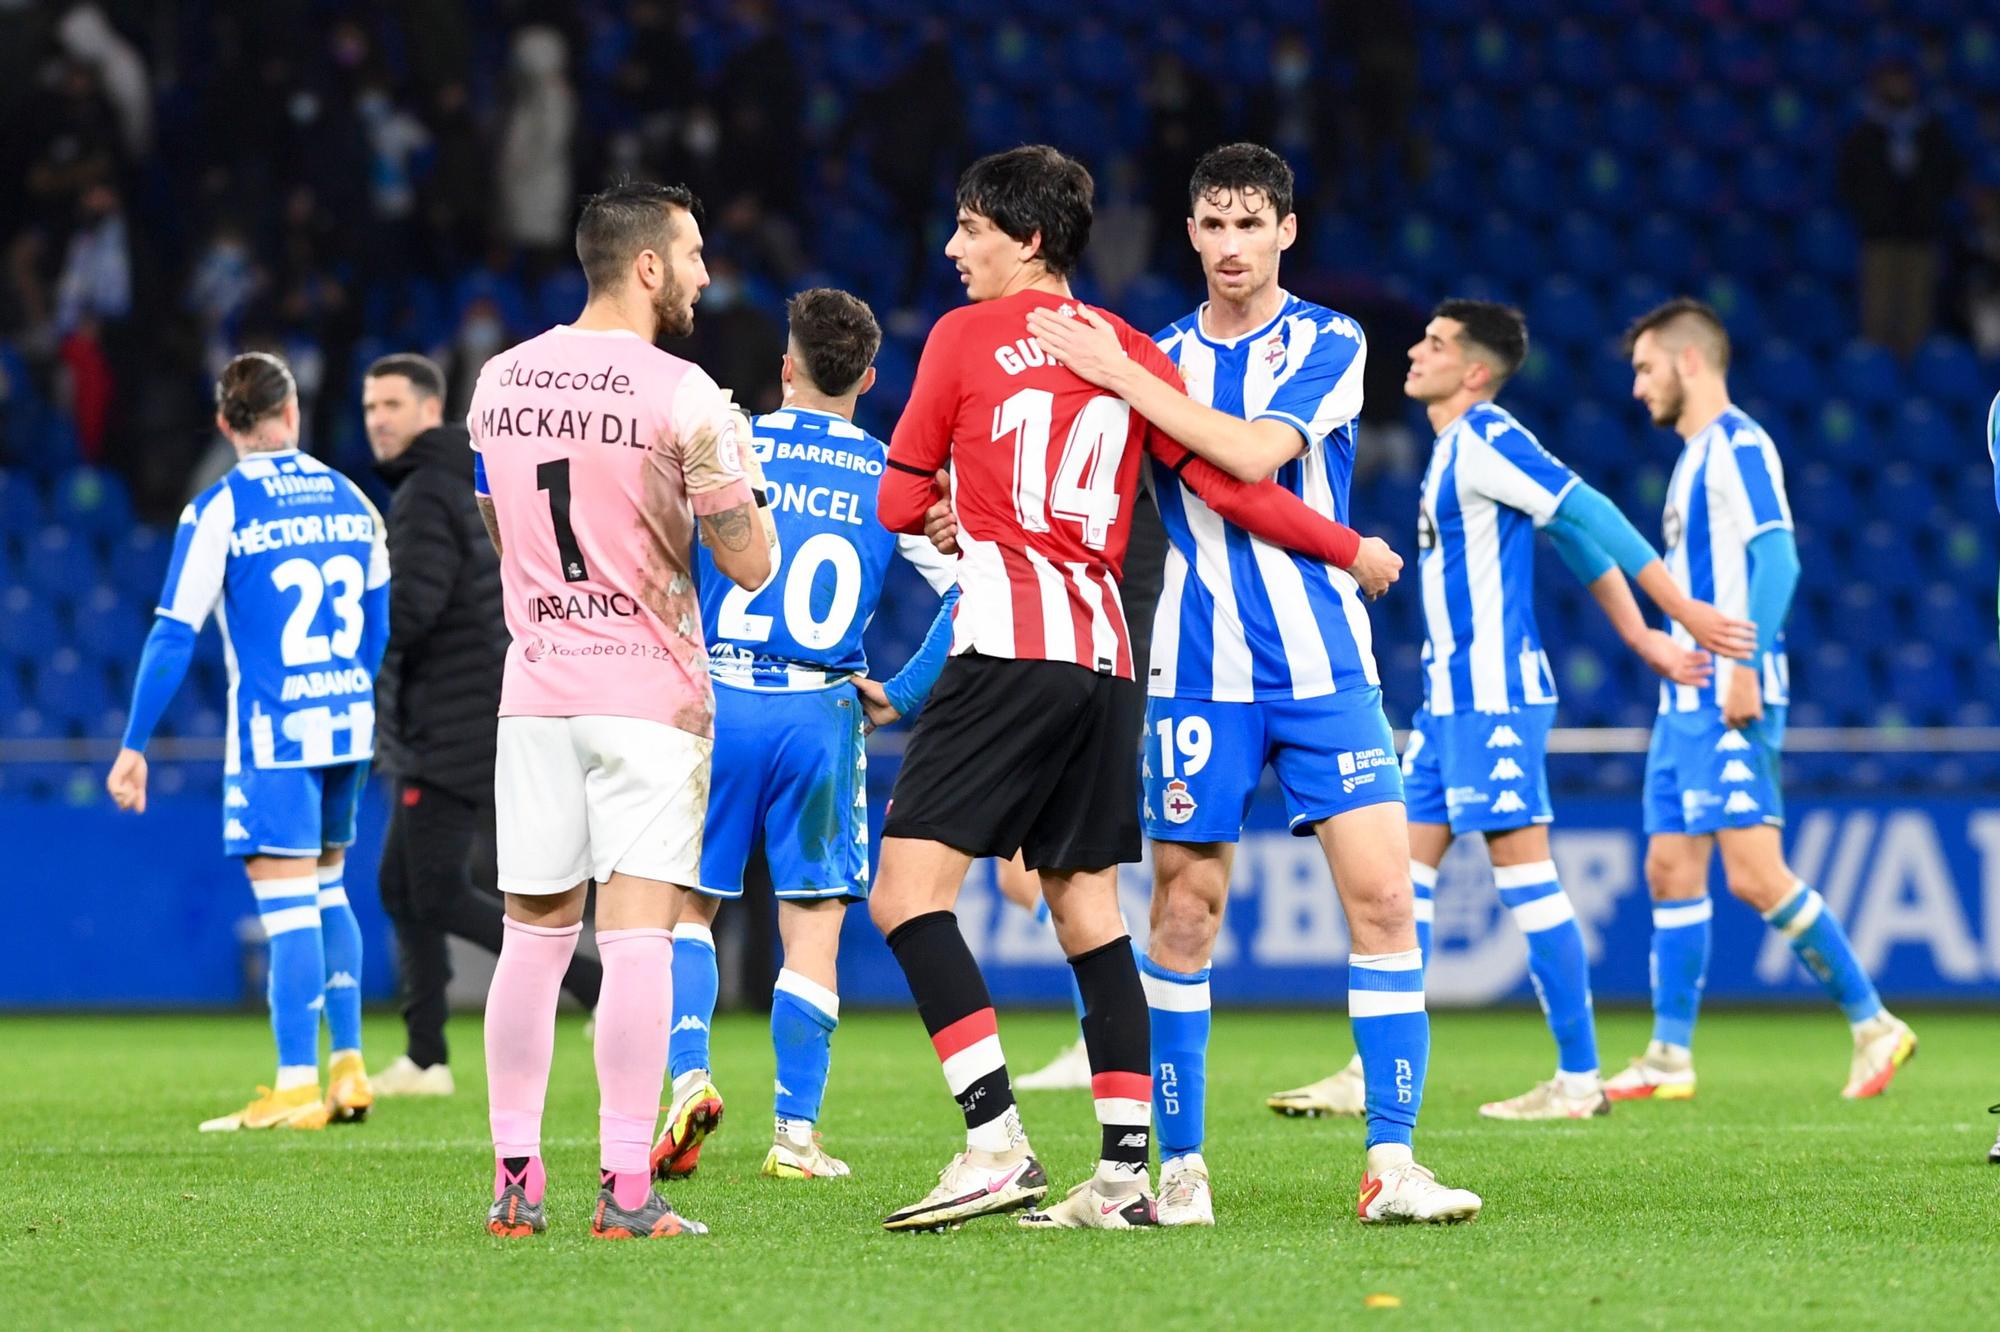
1509 802
1731 740
1506 770
1503 737
1740 802
1736 770
1137 1140
690 1023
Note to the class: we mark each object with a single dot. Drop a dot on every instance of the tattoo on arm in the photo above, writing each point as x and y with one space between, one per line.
491 517
732 529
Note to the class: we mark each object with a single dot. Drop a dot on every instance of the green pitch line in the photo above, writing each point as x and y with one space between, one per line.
1767 1202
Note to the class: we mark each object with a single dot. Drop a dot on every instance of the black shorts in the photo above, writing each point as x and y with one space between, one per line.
1040 757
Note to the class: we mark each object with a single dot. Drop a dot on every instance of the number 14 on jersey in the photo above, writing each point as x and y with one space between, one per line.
1086 481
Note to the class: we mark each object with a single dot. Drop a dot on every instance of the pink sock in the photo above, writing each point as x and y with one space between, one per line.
521 1032
534 1181
634 1010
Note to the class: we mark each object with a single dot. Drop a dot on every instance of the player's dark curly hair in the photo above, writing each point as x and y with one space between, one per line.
621 220
1034 189
1236 167
835 335
252 387
1501 331
1698 318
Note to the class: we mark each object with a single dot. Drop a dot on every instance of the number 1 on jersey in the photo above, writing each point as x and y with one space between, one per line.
553 476
1086 485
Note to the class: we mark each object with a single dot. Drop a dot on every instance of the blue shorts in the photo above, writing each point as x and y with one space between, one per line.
1202 761
793 767
1701 776
1480 771
294 812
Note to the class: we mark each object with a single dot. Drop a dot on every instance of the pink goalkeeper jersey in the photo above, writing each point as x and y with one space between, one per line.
599 451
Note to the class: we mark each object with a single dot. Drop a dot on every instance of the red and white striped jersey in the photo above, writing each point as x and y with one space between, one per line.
1045 469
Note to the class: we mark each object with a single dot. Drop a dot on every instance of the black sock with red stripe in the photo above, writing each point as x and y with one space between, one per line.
952 1000
1117 1031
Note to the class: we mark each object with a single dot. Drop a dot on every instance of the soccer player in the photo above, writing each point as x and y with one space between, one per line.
1264 658
1477 754
290 556
598 456
1712 767
1027 743
792 701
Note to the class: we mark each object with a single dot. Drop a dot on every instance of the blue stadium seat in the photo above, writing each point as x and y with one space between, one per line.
1818 58
107 626
560 295
1630 121
1780 371
1750 248
1976 57
1824 240
1740 54
1503 249
1869 375
1588 247
70 691
1690 179
1711 120
20 503
1424 250
1808 312
1789 120
60 563
1609 186
1738 307
1529 185
28 623
27 723
93 500
1772 182
1920 431
1565 313
1925 688
1946 368
1666 248
1657 56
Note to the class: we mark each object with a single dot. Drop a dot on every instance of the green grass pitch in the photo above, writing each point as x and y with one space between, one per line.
1767 1202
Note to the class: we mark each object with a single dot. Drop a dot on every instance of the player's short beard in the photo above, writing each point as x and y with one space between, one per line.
1672 399
673 312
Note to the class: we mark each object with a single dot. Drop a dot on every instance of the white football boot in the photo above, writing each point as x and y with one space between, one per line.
1068 1071
1664 1073
1185 1199
1344 1094
405 1078
975 1184
1402 1192
1882 1045
1558 1098
1089 1207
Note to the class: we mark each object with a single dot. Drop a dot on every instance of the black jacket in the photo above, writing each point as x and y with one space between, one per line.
438 695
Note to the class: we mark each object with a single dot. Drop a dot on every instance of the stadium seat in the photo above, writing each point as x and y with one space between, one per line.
60 563
20 503
93 500
28 623
1631 121
1530 186
1589 248
1869 376
1711 120
1947 369
1666 248
1563 312
1824 240
1807 311
71 692
107 626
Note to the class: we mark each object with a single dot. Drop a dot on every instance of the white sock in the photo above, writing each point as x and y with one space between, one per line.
1579 1084
1387 1156
688 1079
296 1075
795 1133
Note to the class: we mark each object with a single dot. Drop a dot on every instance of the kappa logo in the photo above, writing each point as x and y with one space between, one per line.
780 1088
1180 806
690 1023
235 799
1740 802
1509 802
1736 770
1503 737
1506 770
236 832
1732 740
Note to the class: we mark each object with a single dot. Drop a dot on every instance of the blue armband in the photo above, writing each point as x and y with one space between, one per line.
1774 576
1585 511
908 688
162 666
479 476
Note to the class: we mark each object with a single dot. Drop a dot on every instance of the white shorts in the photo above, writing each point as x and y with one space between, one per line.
581 797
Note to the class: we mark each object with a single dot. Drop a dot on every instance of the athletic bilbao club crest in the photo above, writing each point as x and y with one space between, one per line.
1179 805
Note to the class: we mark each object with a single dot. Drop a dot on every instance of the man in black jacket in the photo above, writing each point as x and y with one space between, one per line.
436 700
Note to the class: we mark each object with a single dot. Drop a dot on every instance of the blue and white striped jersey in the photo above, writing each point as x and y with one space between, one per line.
1489 486
1727 489
1239 619
802 629
284 550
